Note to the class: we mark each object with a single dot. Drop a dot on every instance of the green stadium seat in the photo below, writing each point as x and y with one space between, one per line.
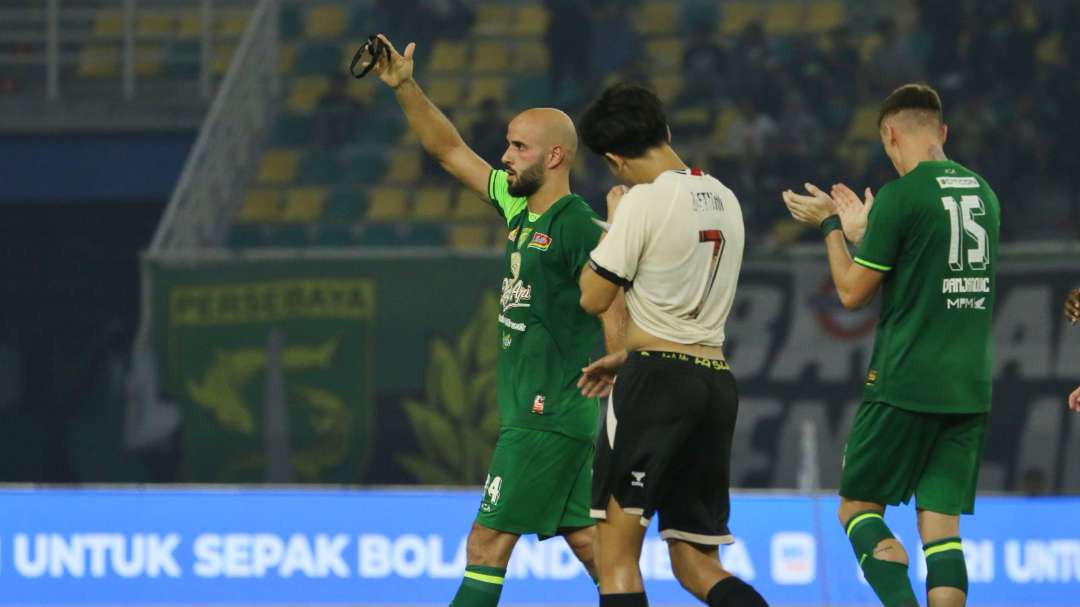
345 205
288 235
361 21
245 236
333 235
291 129
319 166
318 58
182 60
424 235
362 166
290 23
379 235
530 91
382 131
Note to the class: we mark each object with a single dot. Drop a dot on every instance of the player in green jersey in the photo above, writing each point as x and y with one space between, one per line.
929 241
541 472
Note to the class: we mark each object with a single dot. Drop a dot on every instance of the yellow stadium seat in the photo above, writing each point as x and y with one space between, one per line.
448 56
361 90
656 18
232 21
1050 51
470 237
286 58
191 24
664 53
325 21
867 45
737 15
724 120
108 24
149 59
783 18
387 204
690 116
492 18
445 92
863 126
490 57
278 165
667 87
404 166
469 206
304 204
260 206
222 55
431 204
99 61
825 15
531 20
306 92
482 88
530 57
155 24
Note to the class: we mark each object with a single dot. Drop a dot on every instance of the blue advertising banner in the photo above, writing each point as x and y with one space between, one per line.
338 547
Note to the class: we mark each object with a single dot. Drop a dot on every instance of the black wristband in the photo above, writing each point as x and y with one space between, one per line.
832 222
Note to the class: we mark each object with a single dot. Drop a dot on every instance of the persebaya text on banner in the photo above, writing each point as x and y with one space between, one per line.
313 547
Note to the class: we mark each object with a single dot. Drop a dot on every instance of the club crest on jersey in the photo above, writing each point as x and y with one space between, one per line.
871 377
513 236
540 241
507 339
538 404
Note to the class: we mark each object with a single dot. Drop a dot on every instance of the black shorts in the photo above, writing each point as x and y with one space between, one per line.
665 445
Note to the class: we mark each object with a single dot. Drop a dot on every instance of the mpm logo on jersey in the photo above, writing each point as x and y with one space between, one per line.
965 303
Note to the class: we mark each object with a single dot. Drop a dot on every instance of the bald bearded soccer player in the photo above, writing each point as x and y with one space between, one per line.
540 476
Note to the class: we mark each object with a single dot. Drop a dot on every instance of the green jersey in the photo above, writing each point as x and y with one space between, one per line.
934 232
545 338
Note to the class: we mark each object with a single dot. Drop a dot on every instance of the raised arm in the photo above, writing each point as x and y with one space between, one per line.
436 133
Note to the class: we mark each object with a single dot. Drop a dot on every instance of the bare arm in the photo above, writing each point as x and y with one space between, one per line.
615 320
436 133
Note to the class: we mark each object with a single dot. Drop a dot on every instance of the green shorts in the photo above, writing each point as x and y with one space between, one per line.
539 482
893 453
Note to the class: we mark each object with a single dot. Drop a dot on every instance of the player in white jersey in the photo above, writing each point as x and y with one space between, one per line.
675 246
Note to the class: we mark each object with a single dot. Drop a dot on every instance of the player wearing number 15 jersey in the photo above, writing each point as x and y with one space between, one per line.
675 246
930 241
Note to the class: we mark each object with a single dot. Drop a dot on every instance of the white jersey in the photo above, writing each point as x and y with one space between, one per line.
676 244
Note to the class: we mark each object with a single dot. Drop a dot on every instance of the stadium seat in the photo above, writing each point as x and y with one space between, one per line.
432 203
325 21
445 92
318 58
155 24
286 58
108 24
290 236
530 91
825 15
868 43
387 204
333 235
305 92
482 88
863 126
319 166
345 205
469 206
739 14
361 90
99 61
303 204
278 165
182 59
190 24
423 235
404 166
222 55
289 21
470 237
245 236
361 20
656 18
379 235
291 129
492 19
260 206
232 21
149 59
448 56
691 117
783 18
362 166
490 57
529 57
531 20
667 87
664 53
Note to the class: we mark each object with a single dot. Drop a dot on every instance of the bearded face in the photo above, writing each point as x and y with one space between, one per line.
528 182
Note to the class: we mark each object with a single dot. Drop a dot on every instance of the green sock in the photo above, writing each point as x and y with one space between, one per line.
945 565
480 587
888 579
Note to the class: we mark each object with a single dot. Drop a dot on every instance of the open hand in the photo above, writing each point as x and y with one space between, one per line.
399 68
1074 400
811 209
614 195
852 211
598 378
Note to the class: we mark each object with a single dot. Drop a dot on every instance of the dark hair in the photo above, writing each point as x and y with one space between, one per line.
918 97
627 119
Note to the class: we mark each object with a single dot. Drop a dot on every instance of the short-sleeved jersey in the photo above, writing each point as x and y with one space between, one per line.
545 338
934 232
676 244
